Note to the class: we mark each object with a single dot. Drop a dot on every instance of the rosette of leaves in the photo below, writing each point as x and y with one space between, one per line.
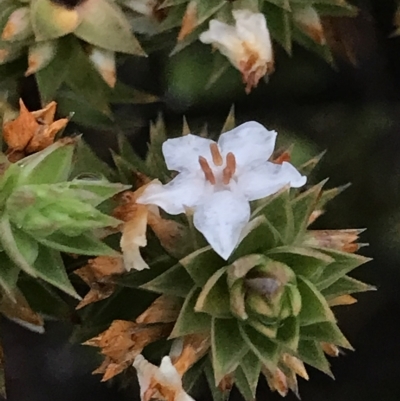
266 311
45 212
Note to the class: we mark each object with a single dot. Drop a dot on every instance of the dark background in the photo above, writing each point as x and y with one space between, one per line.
354 113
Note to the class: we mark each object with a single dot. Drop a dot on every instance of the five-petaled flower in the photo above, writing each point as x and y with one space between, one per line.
247 45
219 179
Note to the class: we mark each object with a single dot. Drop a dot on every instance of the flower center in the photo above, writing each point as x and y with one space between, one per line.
227 173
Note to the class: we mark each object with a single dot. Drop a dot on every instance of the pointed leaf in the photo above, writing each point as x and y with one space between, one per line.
50 165
174 281
314 306
279 25
84 244
346 285
278 211
266 350
9 273
325 332
50 268
306 262
216 392
190 321
259 236
303 205
251 366
214 296
243 385
307 167
20 247
310 352
104 25
227 347
343 264
202 264
288 333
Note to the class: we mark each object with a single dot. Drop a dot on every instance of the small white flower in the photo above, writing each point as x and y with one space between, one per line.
161 383
247 45
219 180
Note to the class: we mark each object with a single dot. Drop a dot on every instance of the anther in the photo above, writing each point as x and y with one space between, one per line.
207 170
230 168
216 155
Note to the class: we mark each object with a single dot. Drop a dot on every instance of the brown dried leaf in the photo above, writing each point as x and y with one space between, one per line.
189 21
31 132
97 274
342 240
122 342
19 311
18 133
276 381
194 347
342 300
296 365
165 309
330 349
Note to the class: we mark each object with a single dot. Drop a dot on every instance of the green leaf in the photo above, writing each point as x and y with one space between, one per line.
20 247
227 347
266 350
269 331
127 153
104 25
303 205
260 236
190 321
325 332
278 211
310 352
220 66
84 244
8 274
251 366
44 299
243 385
288 333
330 194
345 285
87 162
155 159
192 376
237 293
202 264
50 165
50 78
135 278
100 189
217 394
279 25
214 296
344 263
314 306
174 281
305 262
308 167
50 268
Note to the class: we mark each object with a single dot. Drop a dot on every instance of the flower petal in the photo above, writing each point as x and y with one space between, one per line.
250 142
184 190
221 219
260 181
182 154
251 27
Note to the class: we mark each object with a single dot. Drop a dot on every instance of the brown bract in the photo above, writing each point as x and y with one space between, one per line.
31 132
122 342
189 21
98 274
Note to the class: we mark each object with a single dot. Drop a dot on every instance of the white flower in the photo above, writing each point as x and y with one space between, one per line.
219 180
161 383
247 45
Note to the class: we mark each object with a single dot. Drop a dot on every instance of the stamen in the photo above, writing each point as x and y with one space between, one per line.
216 155
207 170
230 168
